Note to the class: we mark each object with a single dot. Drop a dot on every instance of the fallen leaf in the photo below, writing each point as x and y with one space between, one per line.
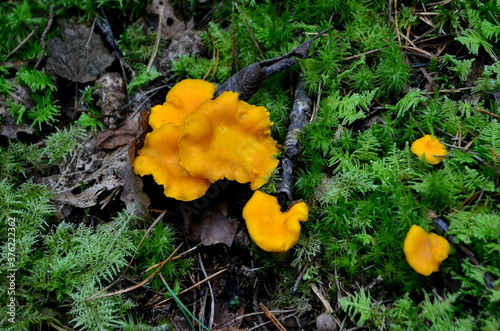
90 173
212 227
123 135
80 56
186 42
216 227
8 126
226 319
136 201
171 24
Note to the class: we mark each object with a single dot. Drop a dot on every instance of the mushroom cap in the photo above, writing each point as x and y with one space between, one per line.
229 138
425 251
180 101
160 157
271 229
429 149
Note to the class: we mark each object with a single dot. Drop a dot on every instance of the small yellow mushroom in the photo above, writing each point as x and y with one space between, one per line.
425 251
429 148
270 229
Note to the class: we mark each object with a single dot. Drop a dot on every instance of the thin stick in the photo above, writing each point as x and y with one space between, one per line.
316 105
460 148
396 22
23 42
135 253
408 27
175 257
212 301
157 40
249 31
273 319
419 50
145 281
486 112
425 34
255 314
322 298
44 34
456 90
192 287
256 305
357 56
486 164
299 278
263 324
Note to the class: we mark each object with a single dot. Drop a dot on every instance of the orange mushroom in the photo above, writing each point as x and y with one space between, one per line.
181 100
229 138
271 229
425 251
429 148
160 157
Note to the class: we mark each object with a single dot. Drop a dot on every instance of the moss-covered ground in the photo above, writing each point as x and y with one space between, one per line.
88 245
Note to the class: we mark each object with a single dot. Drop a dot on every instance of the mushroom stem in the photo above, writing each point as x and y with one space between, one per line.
299 117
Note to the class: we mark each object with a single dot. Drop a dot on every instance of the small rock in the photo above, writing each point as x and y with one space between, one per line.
326 322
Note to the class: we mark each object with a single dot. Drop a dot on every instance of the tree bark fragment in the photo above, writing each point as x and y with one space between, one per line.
299 117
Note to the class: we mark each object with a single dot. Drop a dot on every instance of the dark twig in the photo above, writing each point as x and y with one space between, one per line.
442 226
256 304
299 117
248 81
105 28
299 278
44 34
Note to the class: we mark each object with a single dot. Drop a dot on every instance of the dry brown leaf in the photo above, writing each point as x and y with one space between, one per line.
216 227
91 174
123 135
171 25
80 56
213 227
230 320
8 126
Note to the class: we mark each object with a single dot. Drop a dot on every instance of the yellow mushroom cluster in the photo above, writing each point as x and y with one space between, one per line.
196 141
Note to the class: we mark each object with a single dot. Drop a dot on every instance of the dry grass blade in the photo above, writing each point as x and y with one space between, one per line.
23 42
133 256
273 319
157 40
145 281
322 298
192 287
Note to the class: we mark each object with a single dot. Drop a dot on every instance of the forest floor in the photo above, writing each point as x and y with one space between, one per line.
90 245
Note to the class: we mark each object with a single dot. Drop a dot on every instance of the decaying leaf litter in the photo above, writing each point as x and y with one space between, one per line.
99 173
